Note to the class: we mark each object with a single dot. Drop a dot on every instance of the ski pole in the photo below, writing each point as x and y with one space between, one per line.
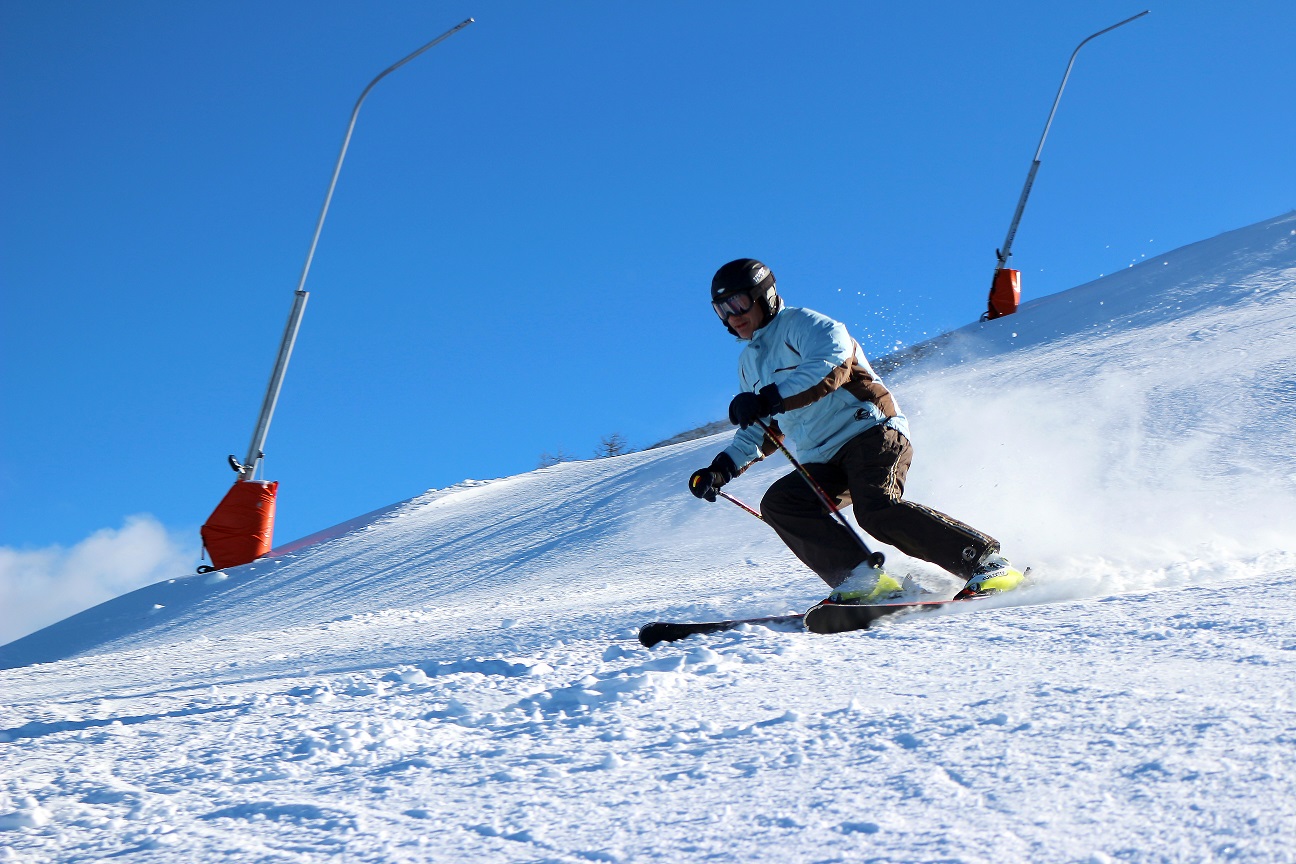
875 559
751 510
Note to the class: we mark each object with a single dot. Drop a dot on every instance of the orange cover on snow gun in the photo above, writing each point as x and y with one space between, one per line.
1005 293
241 527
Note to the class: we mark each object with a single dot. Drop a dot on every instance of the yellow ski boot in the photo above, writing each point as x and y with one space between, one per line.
866 585
994 574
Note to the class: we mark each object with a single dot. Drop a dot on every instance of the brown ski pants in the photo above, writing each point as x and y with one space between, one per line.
869 471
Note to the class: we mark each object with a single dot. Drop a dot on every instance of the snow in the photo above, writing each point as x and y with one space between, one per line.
456 678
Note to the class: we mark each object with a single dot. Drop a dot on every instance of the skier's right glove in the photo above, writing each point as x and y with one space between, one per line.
705 482
747 408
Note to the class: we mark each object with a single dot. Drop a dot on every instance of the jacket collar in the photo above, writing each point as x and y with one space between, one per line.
766 327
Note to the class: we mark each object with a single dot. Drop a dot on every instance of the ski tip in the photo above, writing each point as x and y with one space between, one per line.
653 633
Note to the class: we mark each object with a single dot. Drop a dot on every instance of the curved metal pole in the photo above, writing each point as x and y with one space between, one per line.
1006 250
255 449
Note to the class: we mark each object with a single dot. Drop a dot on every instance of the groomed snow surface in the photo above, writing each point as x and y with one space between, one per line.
456 678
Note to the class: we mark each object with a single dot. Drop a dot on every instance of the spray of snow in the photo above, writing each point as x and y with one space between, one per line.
1129 434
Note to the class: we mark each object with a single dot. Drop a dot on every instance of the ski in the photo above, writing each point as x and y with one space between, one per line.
823 617
828 617
673 631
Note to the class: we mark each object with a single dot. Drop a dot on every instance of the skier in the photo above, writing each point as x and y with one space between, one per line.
805 369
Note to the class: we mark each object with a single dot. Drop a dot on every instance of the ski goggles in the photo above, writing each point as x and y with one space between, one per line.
734 304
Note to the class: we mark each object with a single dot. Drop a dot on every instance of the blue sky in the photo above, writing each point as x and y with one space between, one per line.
517 256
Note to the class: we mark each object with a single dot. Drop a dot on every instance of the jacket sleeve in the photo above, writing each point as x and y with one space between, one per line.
751 444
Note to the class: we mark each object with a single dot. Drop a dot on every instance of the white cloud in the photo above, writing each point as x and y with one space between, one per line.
42 586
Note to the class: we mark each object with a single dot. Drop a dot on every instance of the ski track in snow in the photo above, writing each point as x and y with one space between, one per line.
455 678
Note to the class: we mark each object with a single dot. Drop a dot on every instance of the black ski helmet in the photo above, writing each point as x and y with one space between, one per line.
746 276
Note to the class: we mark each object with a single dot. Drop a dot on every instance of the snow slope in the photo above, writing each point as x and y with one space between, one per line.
455 678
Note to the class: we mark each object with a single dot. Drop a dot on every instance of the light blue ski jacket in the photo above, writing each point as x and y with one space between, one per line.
830 392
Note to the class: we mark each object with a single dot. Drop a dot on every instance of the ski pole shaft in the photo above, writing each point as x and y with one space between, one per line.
751 510
874 558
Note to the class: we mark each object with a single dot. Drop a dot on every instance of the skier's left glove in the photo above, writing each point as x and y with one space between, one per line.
747 408
705 482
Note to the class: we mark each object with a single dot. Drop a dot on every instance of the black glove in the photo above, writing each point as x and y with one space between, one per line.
747 408
704 483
